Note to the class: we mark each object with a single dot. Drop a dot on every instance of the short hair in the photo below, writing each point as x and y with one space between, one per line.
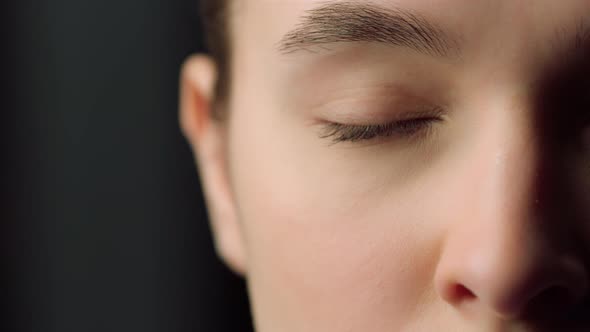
214 15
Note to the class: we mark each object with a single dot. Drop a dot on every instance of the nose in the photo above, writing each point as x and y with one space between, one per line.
508 249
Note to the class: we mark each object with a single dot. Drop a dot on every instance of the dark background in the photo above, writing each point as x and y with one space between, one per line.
103 226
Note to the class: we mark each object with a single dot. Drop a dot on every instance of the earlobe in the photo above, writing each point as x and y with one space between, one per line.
208 140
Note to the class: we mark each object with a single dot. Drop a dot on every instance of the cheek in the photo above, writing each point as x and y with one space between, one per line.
328 242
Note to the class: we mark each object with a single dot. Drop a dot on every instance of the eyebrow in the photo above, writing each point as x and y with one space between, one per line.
582 39
354 21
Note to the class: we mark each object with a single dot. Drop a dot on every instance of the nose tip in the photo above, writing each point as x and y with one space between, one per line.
513 288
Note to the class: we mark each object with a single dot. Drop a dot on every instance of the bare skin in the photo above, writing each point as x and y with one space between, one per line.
439 182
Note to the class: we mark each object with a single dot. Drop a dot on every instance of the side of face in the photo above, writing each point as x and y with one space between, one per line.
376 186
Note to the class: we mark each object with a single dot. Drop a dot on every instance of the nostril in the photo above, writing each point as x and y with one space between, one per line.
461 293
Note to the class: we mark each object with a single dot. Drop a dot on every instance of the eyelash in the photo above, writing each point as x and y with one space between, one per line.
407 128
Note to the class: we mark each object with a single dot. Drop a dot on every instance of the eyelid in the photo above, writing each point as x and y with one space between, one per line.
406 126
377 100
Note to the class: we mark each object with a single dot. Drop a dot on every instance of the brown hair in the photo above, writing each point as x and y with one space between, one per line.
214 15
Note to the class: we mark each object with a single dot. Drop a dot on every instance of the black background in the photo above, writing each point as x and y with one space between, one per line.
103 226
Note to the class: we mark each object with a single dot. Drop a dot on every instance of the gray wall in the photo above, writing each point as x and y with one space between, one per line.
104 228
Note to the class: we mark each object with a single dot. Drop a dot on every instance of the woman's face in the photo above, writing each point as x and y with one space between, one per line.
404 165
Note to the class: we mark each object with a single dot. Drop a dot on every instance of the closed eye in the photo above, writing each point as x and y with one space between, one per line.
404 129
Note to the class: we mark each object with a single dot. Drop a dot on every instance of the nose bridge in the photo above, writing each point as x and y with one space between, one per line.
511 163
507 220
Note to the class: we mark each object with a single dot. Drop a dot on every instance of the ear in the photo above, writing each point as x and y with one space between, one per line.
208 139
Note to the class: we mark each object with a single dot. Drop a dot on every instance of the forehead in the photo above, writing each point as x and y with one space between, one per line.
513 41
449 10
265 22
